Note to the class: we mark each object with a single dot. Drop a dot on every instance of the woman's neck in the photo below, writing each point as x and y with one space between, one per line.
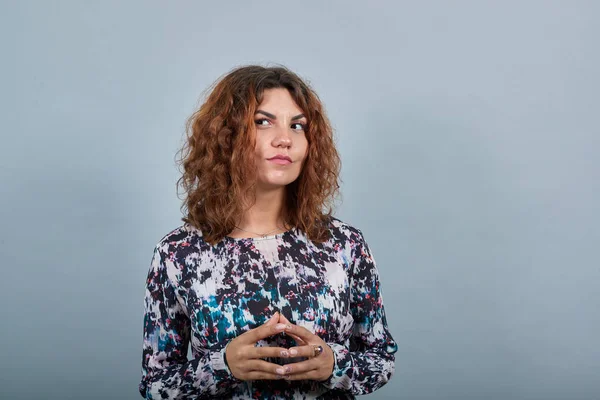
265 215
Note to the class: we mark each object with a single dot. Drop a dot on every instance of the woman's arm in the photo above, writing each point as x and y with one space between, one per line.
166 371
369 362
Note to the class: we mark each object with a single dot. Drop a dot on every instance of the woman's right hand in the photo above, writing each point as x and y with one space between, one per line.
244 358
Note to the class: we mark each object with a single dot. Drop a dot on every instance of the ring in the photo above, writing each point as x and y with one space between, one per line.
317 350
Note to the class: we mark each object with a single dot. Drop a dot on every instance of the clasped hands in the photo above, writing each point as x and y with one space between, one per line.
246 363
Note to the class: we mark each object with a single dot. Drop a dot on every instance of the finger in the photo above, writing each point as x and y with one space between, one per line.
310 375
266 330
303 351
263 366
255 376
274 319
301 332
264 352
284 320
301 367
299 341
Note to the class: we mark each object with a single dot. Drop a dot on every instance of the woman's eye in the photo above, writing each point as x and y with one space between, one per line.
262 122
298 127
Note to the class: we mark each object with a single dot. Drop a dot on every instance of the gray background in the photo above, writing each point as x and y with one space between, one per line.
469 146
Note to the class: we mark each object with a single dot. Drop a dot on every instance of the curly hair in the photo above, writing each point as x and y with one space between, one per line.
219 171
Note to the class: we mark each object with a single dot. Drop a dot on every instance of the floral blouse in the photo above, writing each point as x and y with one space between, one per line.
207 295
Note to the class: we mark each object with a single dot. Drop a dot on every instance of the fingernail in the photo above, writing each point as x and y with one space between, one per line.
274 315
280 326
293 352
280 371
287 370
284 353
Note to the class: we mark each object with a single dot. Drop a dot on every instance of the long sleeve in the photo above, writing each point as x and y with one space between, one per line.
368 363
166 371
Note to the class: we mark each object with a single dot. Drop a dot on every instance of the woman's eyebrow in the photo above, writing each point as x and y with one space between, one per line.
299 116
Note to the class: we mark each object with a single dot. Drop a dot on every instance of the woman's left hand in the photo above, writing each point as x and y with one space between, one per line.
317 367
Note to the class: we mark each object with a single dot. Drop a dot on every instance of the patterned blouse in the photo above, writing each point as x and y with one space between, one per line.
209 294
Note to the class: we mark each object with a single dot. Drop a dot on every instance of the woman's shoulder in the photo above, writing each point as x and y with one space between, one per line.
183 236
343 231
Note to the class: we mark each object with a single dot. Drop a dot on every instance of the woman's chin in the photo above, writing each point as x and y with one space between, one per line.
274 184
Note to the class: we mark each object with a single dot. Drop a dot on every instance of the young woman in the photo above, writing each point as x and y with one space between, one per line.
278 298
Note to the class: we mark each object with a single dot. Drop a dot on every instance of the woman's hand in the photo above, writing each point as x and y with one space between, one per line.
316 367
244 358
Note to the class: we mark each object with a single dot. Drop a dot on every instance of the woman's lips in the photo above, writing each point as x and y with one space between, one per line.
280 161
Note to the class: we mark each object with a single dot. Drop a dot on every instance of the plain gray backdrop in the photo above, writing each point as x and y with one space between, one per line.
469 137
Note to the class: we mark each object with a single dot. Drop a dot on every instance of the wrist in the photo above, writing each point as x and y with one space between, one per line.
227 367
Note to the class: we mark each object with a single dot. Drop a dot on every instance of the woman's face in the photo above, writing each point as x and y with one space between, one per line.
281 143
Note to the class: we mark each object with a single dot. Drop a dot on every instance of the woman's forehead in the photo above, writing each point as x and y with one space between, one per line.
279 101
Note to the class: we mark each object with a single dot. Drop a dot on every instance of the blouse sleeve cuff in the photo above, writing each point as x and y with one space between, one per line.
342 367
219 365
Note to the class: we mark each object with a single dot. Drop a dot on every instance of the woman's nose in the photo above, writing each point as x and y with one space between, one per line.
282 137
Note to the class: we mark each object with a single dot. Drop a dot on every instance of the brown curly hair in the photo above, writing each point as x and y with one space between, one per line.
219 174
